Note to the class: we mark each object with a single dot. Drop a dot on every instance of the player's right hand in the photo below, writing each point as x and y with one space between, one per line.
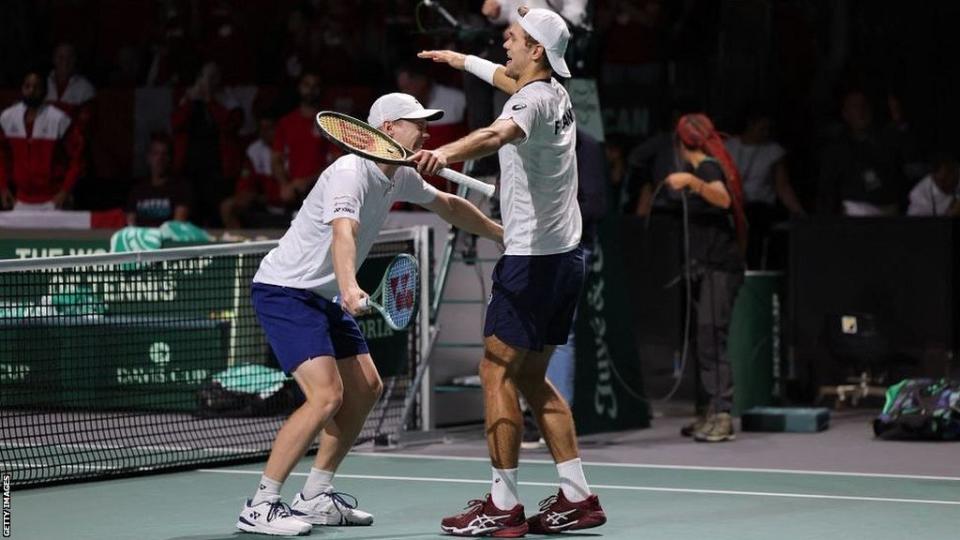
453 58
429 161
354 301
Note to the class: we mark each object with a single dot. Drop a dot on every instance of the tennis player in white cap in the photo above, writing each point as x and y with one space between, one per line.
536 283
316 339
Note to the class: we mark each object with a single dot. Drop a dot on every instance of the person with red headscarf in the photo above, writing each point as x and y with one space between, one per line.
717 232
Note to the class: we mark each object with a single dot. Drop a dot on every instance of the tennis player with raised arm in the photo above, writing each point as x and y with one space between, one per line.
538 280
317 340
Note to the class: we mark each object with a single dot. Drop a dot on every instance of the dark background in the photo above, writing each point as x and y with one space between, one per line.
797 56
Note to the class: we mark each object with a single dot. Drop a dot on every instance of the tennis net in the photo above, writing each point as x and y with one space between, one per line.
121 364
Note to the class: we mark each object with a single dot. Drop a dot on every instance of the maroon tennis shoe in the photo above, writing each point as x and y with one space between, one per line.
483 518
558 514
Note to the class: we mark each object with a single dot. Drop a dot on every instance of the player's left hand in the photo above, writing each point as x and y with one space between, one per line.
679 180
429 161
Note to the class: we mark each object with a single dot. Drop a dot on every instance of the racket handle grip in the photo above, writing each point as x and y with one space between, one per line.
472 183
364 304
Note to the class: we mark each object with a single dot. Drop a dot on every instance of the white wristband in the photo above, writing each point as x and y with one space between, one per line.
480 68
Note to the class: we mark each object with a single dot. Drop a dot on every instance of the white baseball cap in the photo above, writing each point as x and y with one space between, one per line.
397 106
551 31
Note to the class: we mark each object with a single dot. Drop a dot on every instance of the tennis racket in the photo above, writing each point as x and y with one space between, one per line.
357 137
396 296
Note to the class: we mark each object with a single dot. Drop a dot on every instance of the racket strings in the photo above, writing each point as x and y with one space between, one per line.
361 138
400 291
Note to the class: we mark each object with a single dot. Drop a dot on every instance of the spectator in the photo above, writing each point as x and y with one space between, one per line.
300 152
224 40
206 150
762 166
413 79
257 202
900 133
937 194
861 174
717 237
171 51
126 71
295 43
159 198
41 151
67 89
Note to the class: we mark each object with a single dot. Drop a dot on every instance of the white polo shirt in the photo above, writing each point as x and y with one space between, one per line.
538 173
351 187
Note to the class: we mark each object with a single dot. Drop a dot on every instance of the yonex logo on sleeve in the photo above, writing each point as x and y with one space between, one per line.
519 106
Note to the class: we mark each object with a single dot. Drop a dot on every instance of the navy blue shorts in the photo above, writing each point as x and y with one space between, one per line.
534 298
301 325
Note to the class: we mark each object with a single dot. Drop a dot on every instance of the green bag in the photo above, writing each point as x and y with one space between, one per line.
184 232
130 239
921 409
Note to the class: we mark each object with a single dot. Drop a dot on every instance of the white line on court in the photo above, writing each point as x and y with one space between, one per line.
668 467
623 488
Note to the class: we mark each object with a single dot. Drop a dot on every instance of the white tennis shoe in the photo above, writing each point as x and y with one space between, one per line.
271 518
330 508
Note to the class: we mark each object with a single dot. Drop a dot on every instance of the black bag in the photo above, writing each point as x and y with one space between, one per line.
921 409
215 401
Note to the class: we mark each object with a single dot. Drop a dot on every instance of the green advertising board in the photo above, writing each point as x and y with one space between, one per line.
142 336
608 388
754 343
31 248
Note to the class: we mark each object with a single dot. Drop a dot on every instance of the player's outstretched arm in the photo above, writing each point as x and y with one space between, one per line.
344 251
460 213
459 61
478 144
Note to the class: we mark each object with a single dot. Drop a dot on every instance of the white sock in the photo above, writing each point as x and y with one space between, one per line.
504 490
318 482
572 481
269 491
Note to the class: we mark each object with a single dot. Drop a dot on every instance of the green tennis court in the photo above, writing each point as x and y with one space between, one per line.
410 493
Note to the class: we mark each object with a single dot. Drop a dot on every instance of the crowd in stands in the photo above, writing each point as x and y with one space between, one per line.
820 139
